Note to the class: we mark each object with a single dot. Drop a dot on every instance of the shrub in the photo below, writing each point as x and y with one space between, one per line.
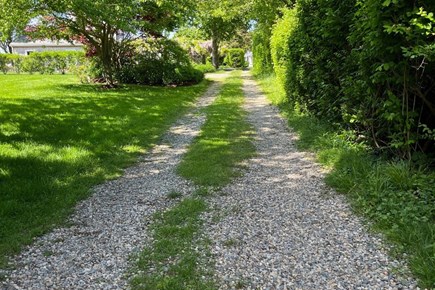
157 62
49 62
205 68
31 65
3 63
10 62
394 61
235 57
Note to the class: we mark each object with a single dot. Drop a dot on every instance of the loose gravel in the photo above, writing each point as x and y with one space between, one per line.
277 227
283 228
95 251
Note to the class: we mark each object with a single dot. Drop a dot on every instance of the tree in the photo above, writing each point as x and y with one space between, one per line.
242 38
264 14
105 24
220 19
14 16
195 42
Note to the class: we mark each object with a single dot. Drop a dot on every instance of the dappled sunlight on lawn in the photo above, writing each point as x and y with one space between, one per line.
59 137
225 140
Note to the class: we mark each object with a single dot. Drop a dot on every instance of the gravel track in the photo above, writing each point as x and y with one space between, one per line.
283 228
279 226
111 225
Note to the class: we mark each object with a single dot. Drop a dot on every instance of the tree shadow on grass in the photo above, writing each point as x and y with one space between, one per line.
53 148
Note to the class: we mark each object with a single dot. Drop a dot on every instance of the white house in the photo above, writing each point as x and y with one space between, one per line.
26 48
249 58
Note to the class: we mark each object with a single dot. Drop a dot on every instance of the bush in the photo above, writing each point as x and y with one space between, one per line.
49 62
394 61
157 62
205 68
235 57
10 62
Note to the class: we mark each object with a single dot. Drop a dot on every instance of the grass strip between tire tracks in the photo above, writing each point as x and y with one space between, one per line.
225 141
172 262
175 260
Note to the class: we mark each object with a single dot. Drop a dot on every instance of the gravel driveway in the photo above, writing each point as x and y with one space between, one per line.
279 226
93 253
283 228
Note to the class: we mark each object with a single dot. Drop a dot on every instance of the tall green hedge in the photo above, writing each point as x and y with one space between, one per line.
261 51
280 44
235 57
10 62
365 65
393 53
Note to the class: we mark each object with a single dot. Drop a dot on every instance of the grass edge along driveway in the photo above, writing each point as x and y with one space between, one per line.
396 197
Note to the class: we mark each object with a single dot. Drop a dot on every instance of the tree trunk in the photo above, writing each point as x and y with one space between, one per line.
215 52
106 56
6 45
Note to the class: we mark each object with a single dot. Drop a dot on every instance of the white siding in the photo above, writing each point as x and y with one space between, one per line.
24 48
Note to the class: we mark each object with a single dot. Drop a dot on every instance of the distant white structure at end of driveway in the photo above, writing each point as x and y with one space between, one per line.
26 48
249 58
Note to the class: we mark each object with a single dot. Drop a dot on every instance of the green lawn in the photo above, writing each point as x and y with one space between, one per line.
58 138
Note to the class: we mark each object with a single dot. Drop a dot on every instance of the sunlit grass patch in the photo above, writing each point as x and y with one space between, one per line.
225 140
58 138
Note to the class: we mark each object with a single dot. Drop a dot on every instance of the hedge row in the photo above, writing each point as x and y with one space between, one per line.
235 58
368 67
48 62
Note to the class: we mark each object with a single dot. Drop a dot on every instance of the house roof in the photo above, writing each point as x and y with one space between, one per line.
45 43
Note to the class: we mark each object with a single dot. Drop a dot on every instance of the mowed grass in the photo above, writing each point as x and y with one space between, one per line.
396 196
225 141
58 138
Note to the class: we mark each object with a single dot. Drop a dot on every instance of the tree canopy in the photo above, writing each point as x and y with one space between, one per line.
104 24
14 16
220 20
